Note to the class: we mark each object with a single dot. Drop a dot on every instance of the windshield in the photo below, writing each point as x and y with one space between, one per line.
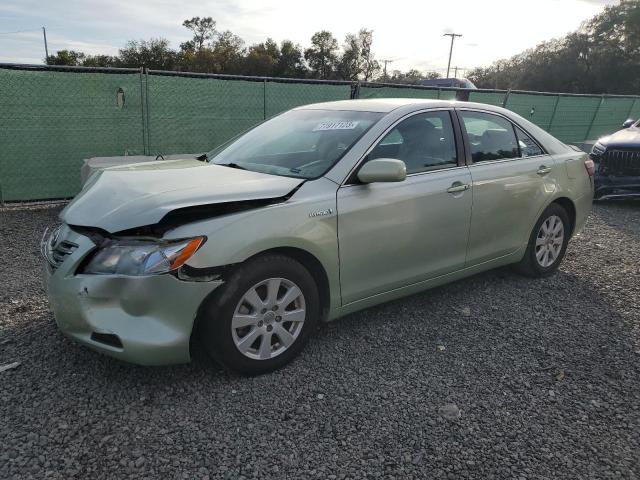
298 143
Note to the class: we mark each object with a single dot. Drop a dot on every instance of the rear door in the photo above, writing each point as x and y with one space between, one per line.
512 180
395 234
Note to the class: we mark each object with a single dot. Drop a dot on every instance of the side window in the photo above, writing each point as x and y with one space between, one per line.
528 148
424 142
491 137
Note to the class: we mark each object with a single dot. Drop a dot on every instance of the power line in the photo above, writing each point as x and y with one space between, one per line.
463 71
384 75
19 31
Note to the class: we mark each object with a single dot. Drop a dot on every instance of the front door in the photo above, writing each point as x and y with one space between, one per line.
396 234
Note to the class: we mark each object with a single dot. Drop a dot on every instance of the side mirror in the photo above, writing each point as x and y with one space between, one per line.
628 123
383 170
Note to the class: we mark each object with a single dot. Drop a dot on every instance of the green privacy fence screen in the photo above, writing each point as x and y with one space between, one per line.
50 121
51 118
196 113
396 91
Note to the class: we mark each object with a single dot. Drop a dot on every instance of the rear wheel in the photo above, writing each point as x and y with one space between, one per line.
547 243
263 316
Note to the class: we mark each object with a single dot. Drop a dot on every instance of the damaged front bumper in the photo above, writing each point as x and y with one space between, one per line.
608 186
617 172
146 320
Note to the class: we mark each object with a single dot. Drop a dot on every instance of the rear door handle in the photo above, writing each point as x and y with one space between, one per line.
543 170
458 187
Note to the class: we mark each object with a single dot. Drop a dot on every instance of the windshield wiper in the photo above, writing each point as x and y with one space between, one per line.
231 165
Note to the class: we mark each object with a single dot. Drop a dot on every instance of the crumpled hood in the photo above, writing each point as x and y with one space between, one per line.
121 198
627 138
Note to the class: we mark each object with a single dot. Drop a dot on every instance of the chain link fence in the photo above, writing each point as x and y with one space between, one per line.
51 118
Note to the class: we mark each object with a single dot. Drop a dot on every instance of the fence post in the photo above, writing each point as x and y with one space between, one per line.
553 114
595 115
355 90
506 98
146 102
264 99
142 114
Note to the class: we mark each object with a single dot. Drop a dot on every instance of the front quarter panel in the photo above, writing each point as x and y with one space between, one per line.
307 221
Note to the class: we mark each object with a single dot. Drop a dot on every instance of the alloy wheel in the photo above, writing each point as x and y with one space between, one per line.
549 241
268 318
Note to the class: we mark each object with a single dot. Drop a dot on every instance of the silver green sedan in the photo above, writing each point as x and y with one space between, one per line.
316 213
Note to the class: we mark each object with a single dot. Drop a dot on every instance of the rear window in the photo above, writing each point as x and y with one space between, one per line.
491 137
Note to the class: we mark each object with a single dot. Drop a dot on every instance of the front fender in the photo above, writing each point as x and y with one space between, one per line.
307 221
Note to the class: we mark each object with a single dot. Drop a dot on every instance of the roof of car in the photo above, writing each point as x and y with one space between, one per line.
383 105
386 105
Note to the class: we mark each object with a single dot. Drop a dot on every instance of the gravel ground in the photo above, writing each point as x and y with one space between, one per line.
544 376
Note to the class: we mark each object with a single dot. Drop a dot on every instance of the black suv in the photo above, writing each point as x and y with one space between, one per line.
617 163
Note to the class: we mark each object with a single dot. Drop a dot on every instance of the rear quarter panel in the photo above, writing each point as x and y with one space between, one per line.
577 185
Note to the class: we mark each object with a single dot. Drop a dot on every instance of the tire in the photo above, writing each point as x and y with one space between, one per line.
234 318
531 264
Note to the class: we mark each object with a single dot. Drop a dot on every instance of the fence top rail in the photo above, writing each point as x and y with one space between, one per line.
220 76
250 78
67 68
557 94
493 90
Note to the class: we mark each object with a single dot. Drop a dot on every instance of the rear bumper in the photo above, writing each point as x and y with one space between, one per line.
144 320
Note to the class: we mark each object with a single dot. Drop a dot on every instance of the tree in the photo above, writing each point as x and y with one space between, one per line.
66 57
291 61
73 58
369 66
349 66
228 53
412 77
603 56
154 53
322 55
203 29
100 61
262 58
357 60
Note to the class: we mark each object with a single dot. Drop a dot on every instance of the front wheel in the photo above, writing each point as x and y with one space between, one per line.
547 243
263 316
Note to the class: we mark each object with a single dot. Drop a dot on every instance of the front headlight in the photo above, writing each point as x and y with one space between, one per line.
598 149
140 257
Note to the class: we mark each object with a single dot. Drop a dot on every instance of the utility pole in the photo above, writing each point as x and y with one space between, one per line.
453 37
384 74
46 48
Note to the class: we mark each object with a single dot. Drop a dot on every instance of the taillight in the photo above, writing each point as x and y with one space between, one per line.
590 166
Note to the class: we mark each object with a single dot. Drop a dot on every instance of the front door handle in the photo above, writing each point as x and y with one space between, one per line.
458 187
543 170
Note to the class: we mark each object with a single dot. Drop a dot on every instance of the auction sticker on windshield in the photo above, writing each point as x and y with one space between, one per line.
335 126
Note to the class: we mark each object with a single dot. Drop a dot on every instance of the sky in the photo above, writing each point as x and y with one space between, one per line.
409 32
